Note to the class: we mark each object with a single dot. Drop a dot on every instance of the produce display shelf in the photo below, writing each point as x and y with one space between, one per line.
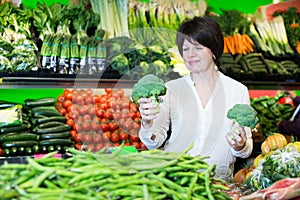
54 82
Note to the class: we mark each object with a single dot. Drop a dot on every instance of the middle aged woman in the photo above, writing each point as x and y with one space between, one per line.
195 106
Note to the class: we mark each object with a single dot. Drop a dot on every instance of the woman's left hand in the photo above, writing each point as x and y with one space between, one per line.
237 137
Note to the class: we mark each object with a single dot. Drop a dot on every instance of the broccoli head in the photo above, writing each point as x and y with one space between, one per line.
149 86
243 114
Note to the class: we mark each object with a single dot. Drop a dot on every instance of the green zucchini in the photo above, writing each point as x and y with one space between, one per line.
28 151
14 150
5 152
54 129
16 128
61 142
18 137
6 104
50 124
42 108
10 144
35 148
61 135
44 119
48 101
46 113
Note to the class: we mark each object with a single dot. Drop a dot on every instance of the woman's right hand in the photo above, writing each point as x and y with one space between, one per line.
149 110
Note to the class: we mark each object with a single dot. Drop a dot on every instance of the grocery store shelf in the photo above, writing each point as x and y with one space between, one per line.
92 82
272 85
53 82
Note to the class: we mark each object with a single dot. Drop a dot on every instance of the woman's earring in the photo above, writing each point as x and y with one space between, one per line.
214 57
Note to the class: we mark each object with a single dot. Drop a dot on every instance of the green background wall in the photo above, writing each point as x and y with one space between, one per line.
20 94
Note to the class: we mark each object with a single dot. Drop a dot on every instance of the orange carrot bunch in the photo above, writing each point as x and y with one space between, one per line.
298 47
238 44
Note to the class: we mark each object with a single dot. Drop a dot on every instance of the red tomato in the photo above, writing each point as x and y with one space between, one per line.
78 146
70 122
116 144
87 138
98 147
102 99
86 118
85 126
66 91
117 116
95 126
132 115
88 100
134 137
124 105
114 138
67 103
127 125
83 109
89 92
136 125
61 98
77 127
76 138
104 127
107 144
143 146
108 115
106 136
286 100
136 145
97 138
112 126
79 99
62 111
99 113
95 99
90 147
69 96
92 111
108 90
120 92
123 136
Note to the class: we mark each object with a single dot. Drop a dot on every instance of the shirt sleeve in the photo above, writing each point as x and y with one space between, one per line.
247 150
155 136
289 127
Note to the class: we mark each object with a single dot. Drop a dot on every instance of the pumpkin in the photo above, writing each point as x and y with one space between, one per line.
273 142
240 176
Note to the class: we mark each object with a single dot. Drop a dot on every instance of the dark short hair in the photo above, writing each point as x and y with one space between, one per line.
206 31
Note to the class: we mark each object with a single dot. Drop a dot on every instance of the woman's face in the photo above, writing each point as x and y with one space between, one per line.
197 57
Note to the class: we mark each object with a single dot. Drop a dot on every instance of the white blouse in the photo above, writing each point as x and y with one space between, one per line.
204 128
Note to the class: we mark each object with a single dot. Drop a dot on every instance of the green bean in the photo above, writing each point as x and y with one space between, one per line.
42 177
168 183
50 184
207 182
191 186
14 166
145 192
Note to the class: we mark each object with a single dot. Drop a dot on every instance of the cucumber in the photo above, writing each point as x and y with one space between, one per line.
18 137
5 152
43 108
54 129
28 151
61 142
50 124
48 101
44 119
10 144
14 150
16 128
46 113
35 148
6 104
61 135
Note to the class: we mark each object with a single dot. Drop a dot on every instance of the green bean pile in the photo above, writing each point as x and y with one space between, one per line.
146 175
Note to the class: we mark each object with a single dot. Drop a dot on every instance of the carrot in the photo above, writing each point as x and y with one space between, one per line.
225 45
247 43
230 44
294 25
298 47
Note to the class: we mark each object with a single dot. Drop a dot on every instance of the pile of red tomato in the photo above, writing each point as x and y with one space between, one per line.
100 120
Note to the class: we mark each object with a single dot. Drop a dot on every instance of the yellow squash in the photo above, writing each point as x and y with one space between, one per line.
273 142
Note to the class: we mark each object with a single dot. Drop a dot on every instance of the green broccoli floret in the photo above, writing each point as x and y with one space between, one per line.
244 114
149 86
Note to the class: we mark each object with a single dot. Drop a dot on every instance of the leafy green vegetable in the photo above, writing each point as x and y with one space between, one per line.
243 114
149 86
